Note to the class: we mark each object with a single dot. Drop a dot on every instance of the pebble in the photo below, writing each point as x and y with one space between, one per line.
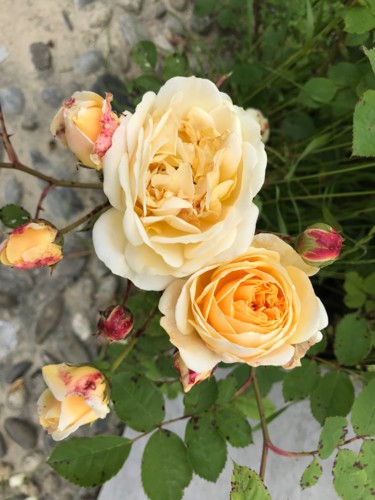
13 191
52 96
49 359
16 397
17 371
160 11
3 54
81 326
3 447
32 460
82 3
12 100
131 29
64 203
179 5
6 470
101 17
132 5
111 83
106 293
174 25
90 62
30 122
8 300
48 318
201 25
21 431
41 56
8 337
67 21
74 351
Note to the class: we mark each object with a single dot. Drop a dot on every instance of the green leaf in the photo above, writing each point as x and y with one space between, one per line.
267 376
363 413
349 480
369 283
352 340
13 215
90 461
344 74
353 285
247 405
207 450
200 397
367 460
165 470
370 53
137 401
145 55
333 434
226 389
175 65
145 83
204 8
320 90
359 20
364 125
233 427
333 396
311 474
300 382
247 485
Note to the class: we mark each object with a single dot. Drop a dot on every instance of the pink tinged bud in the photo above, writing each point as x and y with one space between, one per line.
189 378
34 244
319 245
115 323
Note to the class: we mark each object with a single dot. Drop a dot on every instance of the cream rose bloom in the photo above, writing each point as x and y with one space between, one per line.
259 309
180 175
76 396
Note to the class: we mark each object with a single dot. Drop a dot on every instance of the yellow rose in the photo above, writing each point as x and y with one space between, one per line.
34 244
75 396
188 377
259 309
181 176
263 122
85 124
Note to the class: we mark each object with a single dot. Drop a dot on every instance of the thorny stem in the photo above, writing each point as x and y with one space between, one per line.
244 386
6 141
127 292
44 193
129 346
166 422
263 421
51 180
97 211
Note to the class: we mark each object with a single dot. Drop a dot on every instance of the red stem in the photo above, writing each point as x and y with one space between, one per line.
45 191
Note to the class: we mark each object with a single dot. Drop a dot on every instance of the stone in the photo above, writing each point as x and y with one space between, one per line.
12 101
53 96
101 17
3 447
41 56
179 5
111 83
8 300
16 371
132 5
6 470
81 326
160 11
201 25
21 431
32 460
16 397
13 191
8 337
90 62
48 318
64 203
82 3
132 30
30 122
49 359
106 292
67 20
174 25
3 54
74 351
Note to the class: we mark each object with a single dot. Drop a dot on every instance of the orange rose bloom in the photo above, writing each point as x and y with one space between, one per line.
259 309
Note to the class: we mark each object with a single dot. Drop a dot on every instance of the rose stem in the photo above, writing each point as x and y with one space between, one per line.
127 292
129 346
44 193
97 210
244 386
263 422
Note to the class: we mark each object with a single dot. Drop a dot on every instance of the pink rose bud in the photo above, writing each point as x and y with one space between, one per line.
115 323
189 378
86 124
319 245
34 244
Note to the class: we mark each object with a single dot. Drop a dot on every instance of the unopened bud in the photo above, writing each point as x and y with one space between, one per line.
115 323
189 378
319 245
